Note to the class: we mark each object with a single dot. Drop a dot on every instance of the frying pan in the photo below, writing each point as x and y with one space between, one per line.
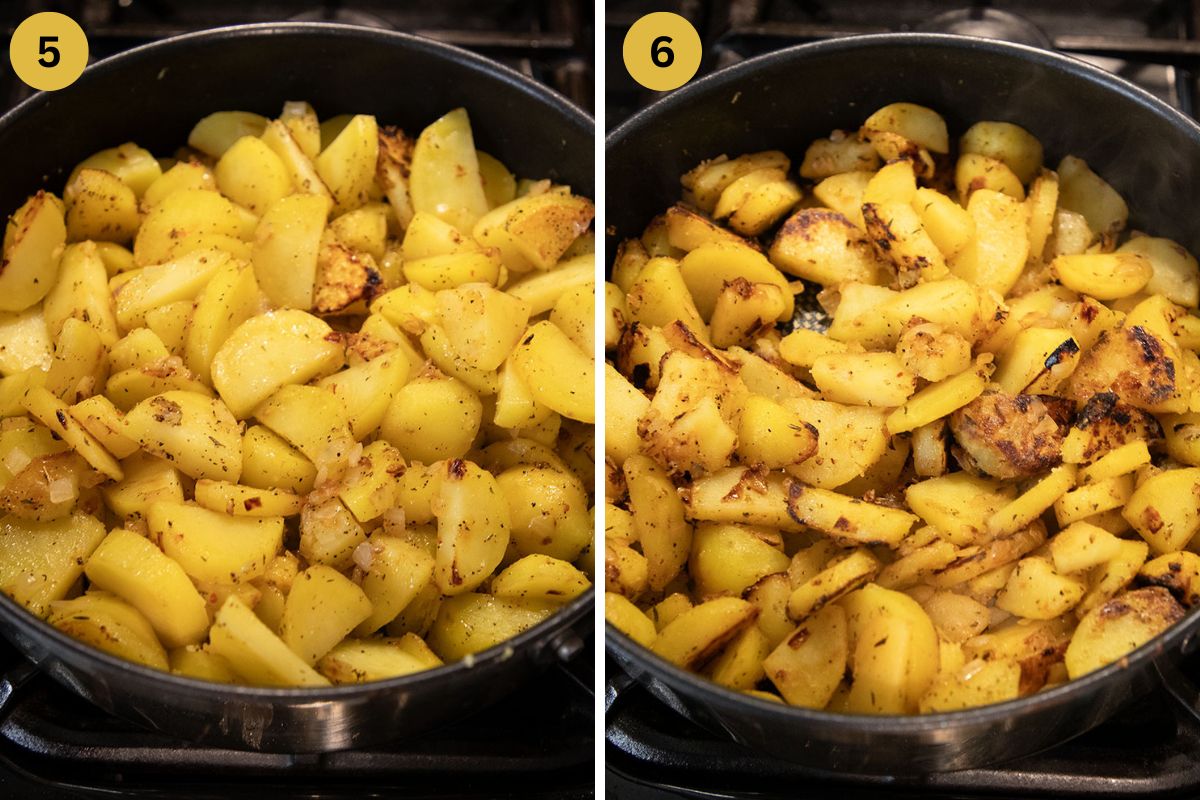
153 95
785 100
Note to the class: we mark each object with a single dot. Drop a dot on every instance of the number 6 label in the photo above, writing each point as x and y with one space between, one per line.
660 54
48 51
662 51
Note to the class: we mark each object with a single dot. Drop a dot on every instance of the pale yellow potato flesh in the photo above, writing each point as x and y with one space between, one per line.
283 408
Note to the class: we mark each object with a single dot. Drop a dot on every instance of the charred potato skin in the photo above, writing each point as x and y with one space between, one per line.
1110 423
1010 437
1132 364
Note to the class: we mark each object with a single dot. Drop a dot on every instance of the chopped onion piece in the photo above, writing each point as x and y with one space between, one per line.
62 490
16 460
363 555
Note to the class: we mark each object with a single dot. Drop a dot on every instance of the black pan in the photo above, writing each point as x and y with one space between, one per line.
786 99
153 95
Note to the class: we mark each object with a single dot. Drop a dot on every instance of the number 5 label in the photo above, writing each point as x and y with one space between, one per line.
662 51
48 51
50 55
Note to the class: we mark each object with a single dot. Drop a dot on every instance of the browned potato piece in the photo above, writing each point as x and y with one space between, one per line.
697 635
832 583
1135 365
825 247
1007 437
1177 572
809 664
1120 626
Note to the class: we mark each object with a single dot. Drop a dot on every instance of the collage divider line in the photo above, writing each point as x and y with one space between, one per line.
599 226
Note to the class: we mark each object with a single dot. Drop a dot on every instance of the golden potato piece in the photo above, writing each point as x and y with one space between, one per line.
629 619
847 520
1165 509
132 568
916 123
835 581
728 559
695 636
473 525
1105 276
217 132
33 245
809 664
977 683
363 660
194 432
213 547
269 351
1118 627
444 174
471 623
322 607
254 652
823 246
41 561
109 624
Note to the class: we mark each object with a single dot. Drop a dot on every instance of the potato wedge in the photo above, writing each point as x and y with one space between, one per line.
322 607
213 547
41 561
254 652
473 524
194 432
109 624
444 177
270 351
33 245
471 623
1118 627
809 664
136 571
696 635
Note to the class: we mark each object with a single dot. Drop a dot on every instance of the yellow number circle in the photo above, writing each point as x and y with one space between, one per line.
662 51
48 51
